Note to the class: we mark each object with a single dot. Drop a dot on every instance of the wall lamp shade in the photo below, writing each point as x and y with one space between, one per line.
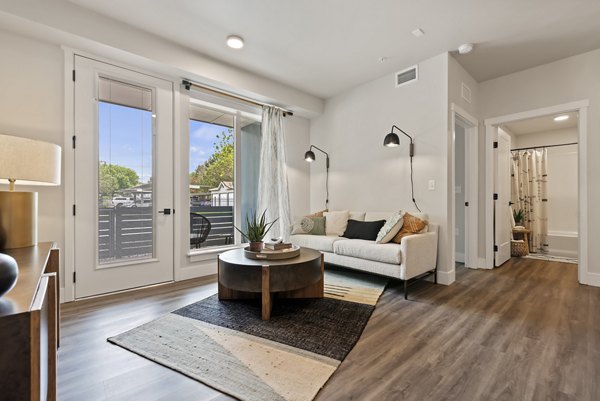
27 162
309 156
391 140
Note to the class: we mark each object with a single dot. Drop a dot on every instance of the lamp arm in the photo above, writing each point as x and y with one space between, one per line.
322 151
412 145
326 173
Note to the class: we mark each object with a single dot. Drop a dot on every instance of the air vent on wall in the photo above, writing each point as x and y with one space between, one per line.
406 76
466 92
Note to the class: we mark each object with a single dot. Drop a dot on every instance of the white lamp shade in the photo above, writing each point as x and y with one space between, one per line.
28 161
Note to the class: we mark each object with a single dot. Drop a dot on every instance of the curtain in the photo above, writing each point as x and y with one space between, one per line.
529 193
273 192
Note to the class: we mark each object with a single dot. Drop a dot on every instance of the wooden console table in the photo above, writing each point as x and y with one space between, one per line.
29 326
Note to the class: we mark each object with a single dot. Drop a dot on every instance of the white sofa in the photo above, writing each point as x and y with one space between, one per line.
415 256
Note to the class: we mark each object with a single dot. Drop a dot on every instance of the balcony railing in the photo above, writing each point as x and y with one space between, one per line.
127 232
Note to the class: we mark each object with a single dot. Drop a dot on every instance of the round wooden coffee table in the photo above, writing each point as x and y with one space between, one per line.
243 278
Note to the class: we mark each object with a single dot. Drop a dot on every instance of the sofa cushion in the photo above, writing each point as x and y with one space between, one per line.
372 216
359 216
335 222
319 242
363 229
390 228
369 250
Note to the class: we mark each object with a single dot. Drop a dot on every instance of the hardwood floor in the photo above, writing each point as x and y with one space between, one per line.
524 331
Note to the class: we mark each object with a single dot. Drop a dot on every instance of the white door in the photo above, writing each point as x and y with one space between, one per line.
123 179
502 226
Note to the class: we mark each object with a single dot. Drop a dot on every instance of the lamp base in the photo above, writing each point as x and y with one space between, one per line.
18 219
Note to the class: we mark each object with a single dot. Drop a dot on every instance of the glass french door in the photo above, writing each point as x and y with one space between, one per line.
123 179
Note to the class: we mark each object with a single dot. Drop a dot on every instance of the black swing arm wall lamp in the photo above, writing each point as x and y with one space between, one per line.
392 140
310 157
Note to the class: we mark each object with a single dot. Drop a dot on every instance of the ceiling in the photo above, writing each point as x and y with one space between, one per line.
325 47
542 124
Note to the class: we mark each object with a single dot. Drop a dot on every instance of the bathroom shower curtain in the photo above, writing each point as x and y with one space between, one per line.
529 193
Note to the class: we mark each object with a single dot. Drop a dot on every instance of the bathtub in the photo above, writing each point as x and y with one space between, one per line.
563 243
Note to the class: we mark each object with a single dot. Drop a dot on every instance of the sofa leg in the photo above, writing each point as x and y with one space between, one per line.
405 289
435 276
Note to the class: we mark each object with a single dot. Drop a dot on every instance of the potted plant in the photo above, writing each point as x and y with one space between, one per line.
518 215
256 229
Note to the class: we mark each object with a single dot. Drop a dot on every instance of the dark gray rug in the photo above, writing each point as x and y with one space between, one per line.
328 327
226 345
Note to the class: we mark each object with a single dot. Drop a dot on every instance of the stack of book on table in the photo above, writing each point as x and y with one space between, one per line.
282 246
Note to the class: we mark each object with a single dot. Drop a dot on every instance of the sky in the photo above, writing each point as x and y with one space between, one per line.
125 139
202 137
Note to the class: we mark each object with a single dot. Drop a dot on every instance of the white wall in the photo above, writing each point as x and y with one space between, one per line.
365 175
31 105
572 79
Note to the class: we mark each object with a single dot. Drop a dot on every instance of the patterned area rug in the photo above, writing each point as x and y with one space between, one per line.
562 259
227 346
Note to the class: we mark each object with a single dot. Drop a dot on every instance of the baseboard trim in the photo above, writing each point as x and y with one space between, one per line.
459 257
446 278
592 279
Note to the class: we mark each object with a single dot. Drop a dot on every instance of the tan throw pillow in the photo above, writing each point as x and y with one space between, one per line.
317 214
412 225
336 222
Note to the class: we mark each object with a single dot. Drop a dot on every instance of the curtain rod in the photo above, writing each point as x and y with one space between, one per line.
547 146
189 84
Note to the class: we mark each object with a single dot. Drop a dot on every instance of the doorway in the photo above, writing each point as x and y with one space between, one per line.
123 179
464 179
547 181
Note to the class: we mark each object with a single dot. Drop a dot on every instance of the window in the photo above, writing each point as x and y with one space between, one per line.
218 138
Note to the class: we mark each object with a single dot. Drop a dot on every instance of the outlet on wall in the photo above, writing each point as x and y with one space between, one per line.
431 185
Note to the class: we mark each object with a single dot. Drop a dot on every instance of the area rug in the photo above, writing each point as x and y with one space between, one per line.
227 346
552 258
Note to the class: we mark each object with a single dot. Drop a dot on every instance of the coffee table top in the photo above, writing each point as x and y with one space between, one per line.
236 257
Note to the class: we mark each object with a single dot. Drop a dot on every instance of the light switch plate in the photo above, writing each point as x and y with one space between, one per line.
432 185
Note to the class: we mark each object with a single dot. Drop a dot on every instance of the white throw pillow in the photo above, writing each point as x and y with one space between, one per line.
336 222
391 227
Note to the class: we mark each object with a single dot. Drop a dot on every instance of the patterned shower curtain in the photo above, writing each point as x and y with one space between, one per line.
529 193
273 192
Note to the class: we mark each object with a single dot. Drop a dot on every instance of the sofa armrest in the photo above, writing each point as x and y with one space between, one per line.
419 254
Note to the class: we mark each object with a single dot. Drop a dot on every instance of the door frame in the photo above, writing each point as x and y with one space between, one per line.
490 125
471 126
68 254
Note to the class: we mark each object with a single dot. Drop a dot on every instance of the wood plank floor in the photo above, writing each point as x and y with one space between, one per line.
525 331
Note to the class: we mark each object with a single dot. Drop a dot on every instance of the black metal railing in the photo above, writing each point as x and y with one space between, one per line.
221 225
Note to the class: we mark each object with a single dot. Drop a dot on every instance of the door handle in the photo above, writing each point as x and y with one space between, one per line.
165 211
466 203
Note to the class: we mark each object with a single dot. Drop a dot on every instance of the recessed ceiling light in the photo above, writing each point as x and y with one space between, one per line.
418 32
235 42
465 48
561 118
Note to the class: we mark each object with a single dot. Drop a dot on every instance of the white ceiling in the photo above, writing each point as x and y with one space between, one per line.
542 124
325 47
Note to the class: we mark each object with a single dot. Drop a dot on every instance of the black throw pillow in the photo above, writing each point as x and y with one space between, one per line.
363 229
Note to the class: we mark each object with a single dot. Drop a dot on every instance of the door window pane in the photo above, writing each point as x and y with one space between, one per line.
211 178
125 190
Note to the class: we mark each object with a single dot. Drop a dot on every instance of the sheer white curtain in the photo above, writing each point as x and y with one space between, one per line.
530 194
273 192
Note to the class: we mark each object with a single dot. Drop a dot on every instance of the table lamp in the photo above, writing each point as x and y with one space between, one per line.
28 162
